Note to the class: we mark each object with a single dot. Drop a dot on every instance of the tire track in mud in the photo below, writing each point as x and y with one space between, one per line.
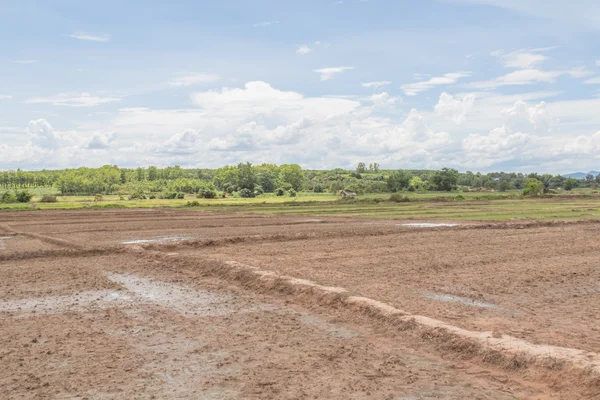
503 351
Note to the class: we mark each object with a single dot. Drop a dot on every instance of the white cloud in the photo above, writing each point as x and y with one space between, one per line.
376 85
593 81
264 24
25 61
41 133
90 37
329 73
101 141
454 109
5 97
523 59
73 100
413 89
598 63
383 99
304 49
189 79
525 134
260 123
528 77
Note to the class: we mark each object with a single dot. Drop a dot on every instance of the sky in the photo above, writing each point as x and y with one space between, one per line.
479 85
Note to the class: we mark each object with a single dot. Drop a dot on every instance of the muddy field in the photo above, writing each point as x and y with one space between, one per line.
176 304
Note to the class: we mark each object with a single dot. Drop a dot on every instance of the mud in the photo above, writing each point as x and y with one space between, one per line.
82 315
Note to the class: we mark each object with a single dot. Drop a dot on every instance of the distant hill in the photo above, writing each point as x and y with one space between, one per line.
581 175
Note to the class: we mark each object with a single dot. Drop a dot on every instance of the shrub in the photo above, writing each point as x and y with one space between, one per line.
152 196
194 203
48 198
169 195
399 198
206 193
23 196
137 196
279 192
460 197
8 197
98 197
181 196
292 193
246 193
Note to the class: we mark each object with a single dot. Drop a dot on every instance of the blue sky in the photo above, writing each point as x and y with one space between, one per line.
477 85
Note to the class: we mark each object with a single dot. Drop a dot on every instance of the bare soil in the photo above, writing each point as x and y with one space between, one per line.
83 315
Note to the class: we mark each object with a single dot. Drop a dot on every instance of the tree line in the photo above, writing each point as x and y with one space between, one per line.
248 180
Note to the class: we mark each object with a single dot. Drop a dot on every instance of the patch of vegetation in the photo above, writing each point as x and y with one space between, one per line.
400 198
48 198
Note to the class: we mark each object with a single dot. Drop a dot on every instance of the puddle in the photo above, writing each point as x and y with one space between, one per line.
448 298
167 239
61 304
427 225
331 329
183 299
3 243
139 291
312 220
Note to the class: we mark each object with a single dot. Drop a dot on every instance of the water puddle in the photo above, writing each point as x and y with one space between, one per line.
60 304
331 329
139 291
312 221
166 239
427 225
448 298
183 299
3 243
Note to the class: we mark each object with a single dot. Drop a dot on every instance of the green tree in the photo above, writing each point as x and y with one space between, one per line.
361 168
246 176
533 187
445 180
571 184
152 173
292 174
398 180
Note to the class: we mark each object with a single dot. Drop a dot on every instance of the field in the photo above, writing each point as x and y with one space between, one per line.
483 299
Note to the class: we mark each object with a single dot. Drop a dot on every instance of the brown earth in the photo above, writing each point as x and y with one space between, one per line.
83 315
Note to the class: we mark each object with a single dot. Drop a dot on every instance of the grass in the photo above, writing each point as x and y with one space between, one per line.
581 204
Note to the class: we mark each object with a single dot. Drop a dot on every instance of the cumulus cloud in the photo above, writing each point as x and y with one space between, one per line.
189 79
182 143
260 123
330 73
383 99
524 134
74 100
414 89
100 141
41 133
454 109
90 37
304 49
